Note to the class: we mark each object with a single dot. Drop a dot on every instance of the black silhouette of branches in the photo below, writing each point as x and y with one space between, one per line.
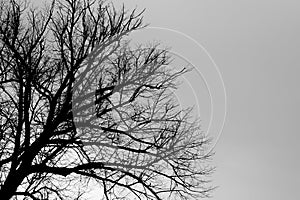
79 104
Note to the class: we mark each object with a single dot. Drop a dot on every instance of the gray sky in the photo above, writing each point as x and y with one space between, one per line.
256 46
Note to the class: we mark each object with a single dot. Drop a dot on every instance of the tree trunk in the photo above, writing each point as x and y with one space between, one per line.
11 185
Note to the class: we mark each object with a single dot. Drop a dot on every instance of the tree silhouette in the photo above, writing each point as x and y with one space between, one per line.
79 104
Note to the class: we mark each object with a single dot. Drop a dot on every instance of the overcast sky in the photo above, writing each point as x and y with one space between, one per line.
256 47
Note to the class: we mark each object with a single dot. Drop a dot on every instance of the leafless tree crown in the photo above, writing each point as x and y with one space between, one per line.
80 105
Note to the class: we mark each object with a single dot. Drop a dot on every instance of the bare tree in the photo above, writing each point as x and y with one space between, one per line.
79 104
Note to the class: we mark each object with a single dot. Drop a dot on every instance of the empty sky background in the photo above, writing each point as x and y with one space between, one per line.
256 46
